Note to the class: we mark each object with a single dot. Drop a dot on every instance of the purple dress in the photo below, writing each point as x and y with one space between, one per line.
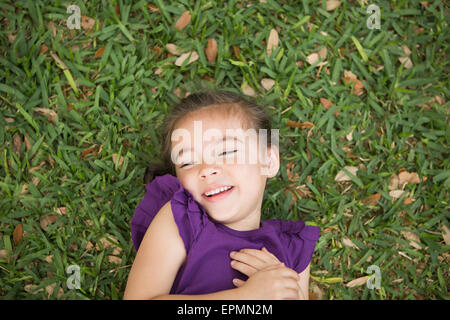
208 244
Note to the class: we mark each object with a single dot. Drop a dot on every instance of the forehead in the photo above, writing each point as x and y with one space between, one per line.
216 117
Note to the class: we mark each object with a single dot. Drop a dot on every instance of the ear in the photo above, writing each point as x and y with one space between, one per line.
273 162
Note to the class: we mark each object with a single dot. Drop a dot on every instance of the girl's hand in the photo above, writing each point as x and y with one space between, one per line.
273 283
250 261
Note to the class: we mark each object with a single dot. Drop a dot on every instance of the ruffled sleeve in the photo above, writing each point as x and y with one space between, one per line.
299 241
188 213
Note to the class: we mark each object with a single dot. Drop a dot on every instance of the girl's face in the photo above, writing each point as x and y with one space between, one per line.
213 163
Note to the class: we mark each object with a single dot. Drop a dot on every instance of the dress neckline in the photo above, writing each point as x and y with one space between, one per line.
243 234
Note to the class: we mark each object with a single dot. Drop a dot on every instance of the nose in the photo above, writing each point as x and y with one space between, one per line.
208 170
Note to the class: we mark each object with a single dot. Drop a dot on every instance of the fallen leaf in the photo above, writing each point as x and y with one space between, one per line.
349 243
413 239
358 88
194 57
408 200
115 158
60 210
99 52
407 61
237 52
299 124
28 143
49 113
326 103
406 50
87 23
17 144
46 220
323 53
357 282
393 182
349 136
43 49
18 234
396 193
88 151
183 20
52 27
332 4
267 83
315 292
408 177
31 288
342 176
211 50
272 42
173 49
446 234
312 58
373 199
51 287
246 89
439 100
152 7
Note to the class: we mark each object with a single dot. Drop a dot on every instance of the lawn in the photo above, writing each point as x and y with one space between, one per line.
362 112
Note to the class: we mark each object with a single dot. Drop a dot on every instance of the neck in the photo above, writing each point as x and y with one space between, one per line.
251 222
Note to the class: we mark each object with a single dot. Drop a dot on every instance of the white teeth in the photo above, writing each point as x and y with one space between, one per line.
217 191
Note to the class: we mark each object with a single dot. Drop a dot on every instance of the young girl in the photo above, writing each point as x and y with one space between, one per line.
197 231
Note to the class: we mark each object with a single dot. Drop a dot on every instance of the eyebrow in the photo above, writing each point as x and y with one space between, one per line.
223 139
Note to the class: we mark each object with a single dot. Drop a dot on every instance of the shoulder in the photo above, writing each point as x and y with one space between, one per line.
294 229
298 241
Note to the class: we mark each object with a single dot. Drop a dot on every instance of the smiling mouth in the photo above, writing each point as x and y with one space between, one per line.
218 196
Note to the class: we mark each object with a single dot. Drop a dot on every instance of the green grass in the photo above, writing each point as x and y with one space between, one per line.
116 103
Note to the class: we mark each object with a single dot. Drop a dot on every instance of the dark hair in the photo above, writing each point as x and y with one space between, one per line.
250 112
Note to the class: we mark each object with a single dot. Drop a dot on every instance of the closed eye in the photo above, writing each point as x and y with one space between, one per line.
186 164
226 152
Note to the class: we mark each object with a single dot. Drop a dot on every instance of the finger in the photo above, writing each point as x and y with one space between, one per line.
244 268
269 253
248 259
291 294
263 255
238 282
289 273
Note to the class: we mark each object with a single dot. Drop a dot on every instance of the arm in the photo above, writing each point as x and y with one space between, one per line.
158 260
303 283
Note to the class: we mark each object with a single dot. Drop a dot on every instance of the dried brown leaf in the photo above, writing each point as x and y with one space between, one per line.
211 50
184 56
183 20
342 176
272 42
446 234
332 4
326 103
312 58
173 49
49 113
87 23
267 83
357 282
349 243
99 52
18 234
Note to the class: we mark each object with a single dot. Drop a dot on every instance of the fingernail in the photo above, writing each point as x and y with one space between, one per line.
233 263
232 253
